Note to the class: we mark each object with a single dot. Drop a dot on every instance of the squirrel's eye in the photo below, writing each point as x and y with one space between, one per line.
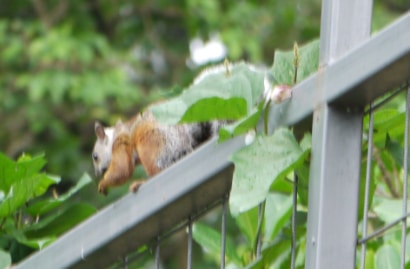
95 156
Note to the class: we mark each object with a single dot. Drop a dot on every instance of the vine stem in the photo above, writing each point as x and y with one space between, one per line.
261 207
296 180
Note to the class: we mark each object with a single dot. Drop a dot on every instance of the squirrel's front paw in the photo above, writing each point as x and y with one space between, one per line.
102 189
134 186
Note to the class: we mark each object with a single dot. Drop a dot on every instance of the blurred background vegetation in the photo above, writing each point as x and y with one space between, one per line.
65 64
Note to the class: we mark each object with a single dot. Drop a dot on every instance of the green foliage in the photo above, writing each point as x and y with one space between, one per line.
21 181
222 92
210 239
274 254
258 166
255 169
279 207
387 257
283 67
28 220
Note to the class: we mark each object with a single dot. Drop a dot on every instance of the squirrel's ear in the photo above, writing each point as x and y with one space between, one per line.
99 130
119 126
119 122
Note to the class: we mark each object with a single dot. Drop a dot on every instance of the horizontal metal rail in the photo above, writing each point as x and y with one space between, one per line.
365 73
204 176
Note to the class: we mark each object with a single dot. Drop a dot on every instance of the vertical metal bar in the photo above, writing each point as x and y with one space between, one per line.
189 252
333 189
336 146
405 180
157 254
294 211
367 186
125 262
345 24
223 231
261 208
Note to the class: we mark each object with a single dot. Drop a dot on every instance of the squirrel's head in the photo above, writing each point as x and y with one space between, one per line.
102 148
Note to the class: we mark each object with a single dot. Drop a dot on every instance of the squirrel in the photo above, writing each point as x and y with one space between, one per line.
142 140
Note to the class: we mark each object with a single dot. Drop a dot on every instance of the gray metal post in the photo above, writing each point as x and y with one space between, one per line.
336 148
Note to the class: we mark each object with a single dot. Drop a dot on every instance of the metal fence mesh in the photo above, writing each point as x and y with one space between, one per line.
404 91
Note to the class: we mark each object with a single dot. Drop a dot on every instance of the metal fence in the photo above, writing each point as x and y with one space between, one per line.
354 71
371 149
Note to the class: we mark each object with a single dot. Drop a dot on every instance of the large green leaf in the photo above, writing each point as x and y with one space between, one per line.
23 190
386 120
241 126
389 210
36 243
259 164
216 94
369 258
387 257
62 221
283 68
274 254
396 150
278 210
44 206
303 183
12 171
372 188
210 239
248 224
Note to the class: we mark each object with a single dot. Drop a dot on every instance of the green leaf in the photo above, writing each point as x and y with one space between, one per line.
306 142
387 121
389 210
62 221
211 108
387 257
278 210
303 183
284 186
5 259
44 206
12 172
37 243
308 59
248 224
396 150
259 164
283 68
24 190
240 126
274 255
210 239
215 94
372 188
370 253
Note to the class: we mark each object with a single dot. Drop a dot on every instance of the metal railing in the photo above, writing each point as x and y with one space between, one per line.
355 70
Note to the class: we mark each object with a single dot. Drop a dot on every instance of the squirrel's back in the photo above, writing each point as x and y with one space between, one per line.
175 141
